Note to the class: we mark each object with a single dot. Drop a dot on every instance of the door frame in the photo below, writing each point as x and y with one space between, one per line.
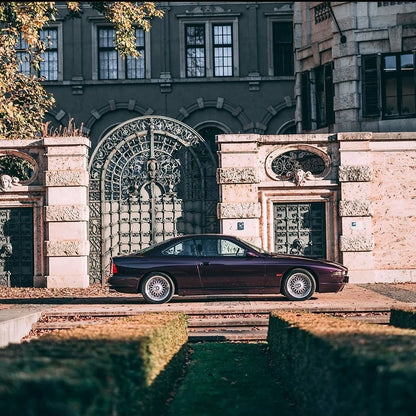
298 196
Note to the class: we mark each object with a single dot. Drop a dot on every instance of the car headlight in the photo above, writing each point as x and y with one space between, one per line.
338 274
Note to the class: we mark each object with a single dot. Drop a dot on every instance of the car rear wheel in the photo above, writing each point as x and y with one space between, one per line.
299 284
157 288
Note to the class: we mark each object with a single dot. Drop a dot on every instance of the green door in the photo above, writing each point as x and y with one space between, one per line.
300 229
16 247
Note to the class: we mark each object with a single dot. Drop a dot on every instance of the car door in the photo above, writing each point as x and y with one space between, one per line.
180 261
226 267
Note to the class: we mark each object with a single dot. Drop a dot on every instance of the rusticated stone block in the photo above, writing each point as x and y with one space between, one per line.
356 243
241 210
67 213
67 248
356 208
355 173
66 178
237 175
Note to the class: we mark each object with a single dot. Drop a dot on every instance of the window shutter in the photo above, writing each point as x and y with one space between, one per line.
371 107
305 93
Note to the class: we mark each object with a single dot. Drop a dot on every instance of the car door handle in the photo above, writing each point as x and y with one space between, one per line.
205 263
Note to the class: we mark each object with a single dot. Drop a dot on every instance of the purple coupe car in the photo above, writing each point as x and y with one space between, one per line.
213 264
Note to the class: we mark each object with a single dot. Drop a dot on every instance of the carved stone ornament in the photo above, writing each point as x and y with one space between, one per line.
298 163
7 182
237 175
66 178
299 176
240 210
67 213
357 243
68 248
356 208
355 173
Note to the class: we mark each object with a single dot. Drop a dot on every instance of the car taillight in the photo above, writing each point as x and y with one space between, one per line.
114 269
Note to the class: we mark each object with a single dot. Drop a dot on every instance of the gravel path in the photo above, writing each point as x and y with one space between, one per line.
403 292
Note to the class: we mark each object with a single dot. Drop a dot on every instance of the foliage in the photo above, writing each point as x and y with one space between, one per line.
16 166
23 100
121 367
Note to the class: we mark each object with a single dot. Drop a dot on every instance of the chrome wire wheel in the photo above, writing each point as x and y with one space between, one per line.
299 285
157 288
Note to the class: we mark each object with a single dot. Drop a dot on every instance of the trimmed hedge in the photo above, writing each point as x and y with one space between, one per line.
337 367
122 367
403 318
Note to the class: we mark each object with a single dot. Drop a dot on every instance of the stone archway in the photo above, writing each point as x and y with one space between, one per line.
151 178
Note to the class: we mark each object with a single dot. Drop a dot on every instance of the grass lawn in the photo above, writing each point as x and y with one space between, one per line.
229 379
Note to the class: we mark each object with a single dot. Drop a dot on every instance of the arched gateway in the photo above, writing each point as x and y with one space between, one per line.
151 178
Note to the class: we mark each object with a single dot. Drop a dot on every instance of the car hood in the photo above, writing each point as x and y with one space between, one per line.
310 260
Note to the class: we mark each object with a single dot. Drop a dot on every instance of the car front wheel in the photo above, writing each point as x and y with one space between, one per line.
157 288
299 284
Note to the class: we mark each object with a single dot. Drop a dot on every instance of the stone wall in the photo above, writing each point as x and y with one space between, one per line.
368 188
57 193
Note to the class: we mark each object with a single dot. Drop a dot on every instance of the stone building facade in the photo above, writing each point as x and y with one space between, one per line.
199 136
349 197
355 66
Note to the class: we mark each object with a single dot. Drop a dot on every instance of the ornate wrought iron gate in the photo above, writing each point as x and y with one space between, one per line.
16 247
151 178
300 229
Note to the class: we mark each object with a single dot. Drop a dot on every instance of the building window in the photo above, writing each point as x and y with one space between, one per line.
223 50
135 68
110 63
49 64
393 78
48 67
209 49
23 55
324 96
305 101
283 48
195 50
322 12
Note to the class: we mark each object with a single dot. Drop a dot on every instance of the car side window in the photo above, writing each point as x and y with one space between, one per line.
218 247
184 248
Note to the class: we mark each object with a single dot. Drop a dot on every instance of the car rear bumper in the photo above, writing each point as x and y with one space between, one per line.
123 284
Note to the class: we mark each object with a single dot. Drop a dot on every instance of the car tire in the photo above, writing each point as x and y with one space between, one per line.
157 287
299 284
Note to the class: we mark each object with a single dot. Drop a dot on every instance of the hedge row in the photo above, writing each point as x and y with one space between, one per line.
337 367
122 367
403 318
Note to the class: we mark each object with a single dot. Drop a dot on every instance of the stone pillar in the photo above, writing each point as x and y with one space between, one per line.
66 212
355 207
239 210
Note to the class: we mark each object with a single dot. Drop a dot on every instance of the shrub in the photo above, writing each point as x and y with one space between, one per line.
403 318
123 367
338 367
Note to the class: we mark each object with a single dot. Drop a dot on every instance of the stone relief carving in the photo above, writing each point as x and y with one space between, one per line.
66 178
240 210
7 182
298 163
355 173
356 208
237 175
299 176
357 243
67 248
67 213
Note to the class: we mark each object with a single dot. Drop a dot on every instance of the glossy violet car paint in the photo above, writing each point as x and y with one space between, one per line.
215 264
